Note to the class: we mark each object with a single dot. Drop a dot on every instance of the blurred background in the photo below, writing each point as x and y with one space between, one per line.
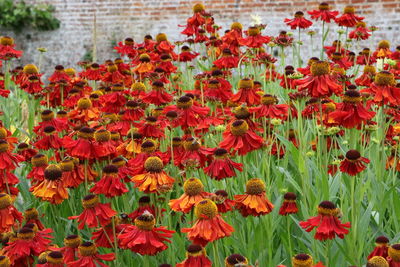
68 28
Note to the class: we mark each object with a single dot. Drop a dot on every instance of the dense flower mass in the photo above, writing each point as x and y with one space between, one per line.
149 159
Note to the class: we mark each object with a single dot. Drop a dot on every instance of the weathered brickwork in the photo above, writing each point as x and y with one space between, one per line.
117 19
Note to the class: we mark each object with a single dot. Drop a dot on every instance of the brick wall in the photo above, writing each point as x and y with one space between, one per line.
117 19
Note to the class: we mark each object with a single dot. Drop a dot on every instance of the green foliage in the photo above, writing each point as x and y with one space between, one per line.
17 16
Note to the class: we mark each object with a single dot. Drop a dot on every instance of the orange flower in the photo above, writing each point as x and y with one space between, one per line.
254 202
51 188
84 111
193 194
154 178
209 225
9 214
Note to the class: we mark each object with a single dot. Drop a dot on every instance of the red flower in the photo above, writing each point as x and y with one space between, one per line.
195 257
323 13
110 184
209 225
186 55
246 94
240 138
227 60
48 119
195 155
222 166
289 205
348 19
113 102
143 237
94 213
361 32
104 146
351 113
215 91
194 22
157 96
144 205
231 38
93 73
24 247
150 127
353 163
298 21
224 204
254 202
254 38
104 236
84 147
367 78
320 83
113 75
383 89
70 249
8 213
7 50
8 161
327 224
33 85
127 47
59 75
381 247
89 257
269 109
133 111
49 140
189 114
